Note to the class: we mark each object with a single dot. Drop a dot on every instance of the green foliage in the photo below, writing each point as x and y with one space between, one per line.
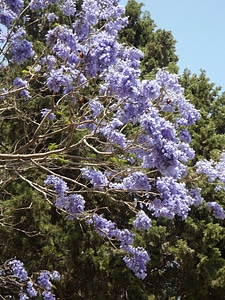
158 45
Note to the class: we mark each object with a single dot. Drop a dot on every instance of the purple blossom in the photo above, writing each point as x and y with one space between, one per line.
40 4
68 7
23 296
59 184
142 221
97 178
114 135
121 80
58 79
56 275
174 199
104 227
217 210
18 269
102 55
62 36
112 27
51 17
44 280
48 60
207 167
46 111
137 181
25 94
150 89
96 107
31 291
185 136
169 82
6 17
19 82
136 260
195 193
15 5
189 114
126 238
48 296
73 204
21 50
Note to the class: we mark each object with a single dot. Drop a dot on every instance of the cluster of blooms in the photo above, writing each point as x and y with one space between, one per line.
73 204
20 83
174 198
136 258
142 221
215 171
47 112
30 289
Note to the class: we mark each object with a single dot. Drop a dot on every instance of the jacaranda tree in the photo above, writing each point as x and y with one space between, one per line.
82 130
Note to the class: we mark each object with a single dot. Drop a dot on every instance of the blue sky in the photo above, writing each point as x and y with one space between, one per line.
198 26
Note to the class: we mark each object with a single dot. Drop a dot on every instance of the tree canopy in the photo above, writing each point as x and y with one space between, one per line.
103 192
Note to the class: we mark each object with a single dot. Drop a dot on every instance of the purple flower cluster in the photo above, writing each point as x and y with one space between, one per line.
21 50
68 7
60 185
73 204
214 171
97 178
18 269
137 181
20 83
30 290
9 10
6 17
40 4
136 258
96 107
47 111
142 221
44 280
174 199
217 210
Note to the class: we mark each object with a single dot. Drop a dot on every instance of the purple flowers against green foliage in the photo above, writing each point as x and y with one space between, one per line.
142 221
217 210
73 204
15 5
31 291
136 260
20 83
174 199
46 111
18 269
137 181
60 185
6 17
214 171
97 178
44 280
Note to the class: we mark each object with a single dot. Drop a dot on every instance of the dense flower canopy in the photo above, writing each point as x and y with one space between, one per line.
134 131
